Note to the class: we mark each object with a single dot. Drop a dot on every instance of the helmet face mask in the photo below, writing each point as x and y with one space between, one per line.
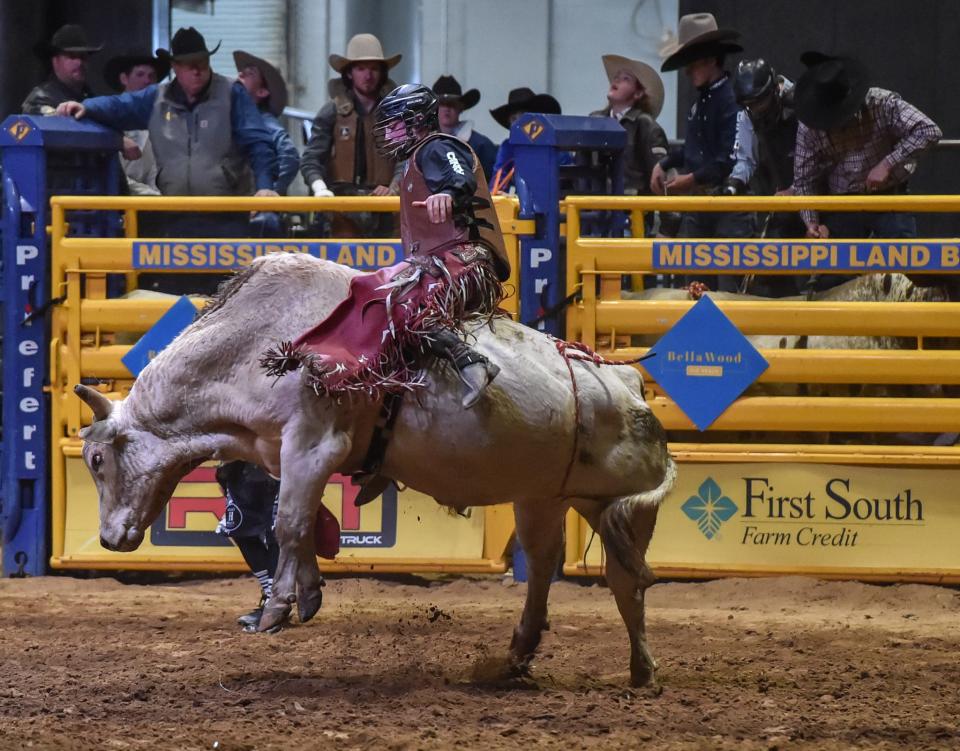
404 117
756 88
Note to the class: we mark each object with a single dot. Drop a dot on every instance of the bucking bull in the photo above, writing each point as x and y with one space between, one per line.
533 439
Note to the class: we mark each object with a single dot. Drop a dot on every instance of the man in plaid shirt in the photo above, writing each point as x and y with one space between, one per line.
854 139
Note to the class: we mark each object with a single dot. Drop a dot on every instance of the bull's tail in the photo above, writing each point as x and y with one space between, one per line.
617 529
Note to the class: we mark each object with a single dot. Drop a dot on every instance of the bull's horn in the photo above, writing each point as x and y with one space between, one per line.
101 406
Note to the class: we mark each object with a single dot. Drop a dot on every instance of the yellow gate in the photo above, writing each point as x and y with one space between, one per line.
91 333
809 471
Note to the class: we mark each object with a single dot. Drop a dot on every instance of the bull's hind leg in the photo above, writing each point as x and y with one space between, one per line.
628 580
307 460
540 532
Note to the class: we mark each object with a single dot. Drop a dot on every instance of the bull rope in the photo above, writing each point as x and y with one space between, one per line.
571 351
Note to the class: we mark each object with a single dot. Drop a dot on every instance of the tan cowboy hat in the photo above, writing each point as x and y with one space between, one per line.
271 77
698 37
652 84
362 48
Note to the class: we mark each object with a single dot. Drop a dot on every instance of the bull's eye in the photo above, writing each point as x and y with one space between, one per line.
96 461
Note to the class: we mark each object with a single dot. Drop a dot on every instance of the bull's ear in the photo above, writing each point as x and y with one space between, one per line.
101 406
102 431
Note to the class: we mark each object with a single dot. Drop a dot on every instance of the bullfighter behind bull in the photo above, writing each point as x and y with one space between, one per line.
374 342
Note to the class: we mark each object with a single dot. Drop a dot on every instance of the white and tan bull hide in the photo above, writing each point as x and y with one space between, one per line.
206 397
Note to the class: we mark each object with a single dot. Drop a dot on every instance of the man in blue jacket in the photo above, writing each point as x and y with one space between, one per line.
705 160
207 135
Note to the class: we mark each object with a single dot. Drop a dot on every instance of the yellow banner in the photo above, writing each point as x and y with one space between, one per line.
808 518
399 526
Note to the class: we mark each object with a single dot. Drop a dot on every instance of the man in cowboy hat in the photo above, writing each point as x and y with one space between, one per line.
266 87
854 138
67 52
453 101
705 160
519 101
634 100
207 135
130 72
341 156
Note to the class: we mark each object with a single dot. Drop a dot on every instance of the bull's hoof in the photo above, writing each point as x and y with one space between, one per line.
645 678
503 671
274 616
308 603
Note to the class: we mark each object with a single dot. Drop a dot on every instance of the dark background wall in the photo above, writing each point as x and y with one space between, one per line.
119 25
909 47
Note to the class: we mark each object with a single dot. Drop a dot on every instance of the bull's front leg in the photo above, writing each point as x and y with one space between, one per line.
307 460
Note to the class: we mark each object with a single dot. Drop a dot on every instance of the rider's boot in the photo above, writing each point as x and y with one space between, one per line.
475 370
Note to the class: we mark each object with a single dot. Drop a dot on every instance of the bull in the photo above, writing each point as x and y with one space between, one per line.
550 433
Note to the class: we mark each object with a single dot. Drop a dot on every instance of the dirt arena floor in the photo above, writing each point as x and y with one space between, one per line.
746 664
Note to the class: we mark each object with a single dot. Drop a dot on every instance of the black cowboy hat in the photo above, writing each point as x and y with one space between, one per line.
186 46
449 91
271 77
125 63
71 39
830 91
524 100
698 37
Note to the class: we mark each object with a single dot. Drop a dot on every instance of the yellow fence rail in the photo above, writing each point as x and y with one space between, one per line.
91 333
853 407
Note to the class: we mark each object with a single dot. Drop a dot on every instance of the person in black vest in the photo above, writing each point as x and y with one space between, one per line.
763 153
67 52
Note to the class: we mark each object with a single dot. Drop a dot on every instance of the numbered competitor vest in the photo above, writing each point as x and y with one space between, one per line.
421 237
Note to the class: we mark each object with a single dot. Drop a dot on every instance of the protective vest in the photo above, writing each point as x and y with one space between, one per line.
421 237
354 158
195 152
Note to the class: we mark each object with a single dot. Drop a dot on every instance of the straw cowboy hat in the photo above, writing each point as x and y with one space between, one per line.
524 100
187 46
649 79
698 37
830 91
271 77
449 91
124 63
362 48
71 39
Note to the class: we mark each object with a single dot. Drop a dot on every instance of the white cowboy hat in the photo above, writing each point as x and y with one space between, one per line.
362 48
652 84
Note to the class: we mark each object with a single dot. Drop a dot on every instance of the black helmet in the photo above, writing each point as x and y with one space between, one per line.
413 104
755 86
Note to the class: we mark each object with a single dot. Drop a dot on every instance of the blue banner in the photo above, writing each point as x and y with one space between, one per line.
805 255
171 255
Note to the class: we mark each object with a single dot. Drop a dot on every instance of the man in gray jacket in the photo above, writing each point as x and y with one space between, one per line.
207 136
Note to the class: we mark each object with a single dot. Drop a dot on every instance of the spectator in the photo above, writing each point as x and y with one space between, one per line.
205 131
341 157
854 139
705 160
67 52
518 101
131 72
452 104
268 90
634 100
763 154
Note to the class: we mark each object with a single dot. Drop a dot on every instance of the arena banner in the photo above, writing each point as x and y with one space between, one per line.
805 255
398 526
808 518
224 255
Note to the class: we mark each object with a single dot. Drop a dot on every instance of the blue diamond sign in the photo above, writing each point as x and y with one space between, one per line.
164 331
704 363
